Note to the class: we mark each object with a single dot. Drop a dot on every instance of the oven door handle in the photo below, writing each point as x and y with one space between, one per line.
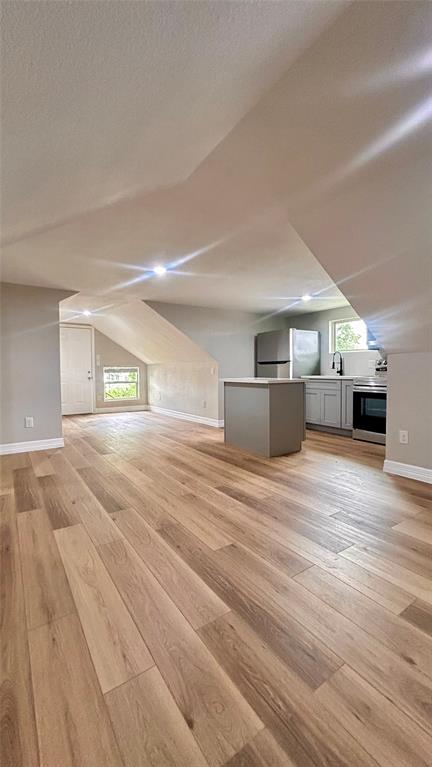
369 390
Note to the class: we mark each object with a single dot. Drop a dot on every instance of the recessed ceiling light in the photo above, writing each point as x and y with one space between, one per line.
307 297
159 270
87 313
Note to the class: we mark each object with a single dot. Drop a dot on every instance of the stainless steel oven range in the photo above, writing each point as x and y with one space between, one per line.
370 409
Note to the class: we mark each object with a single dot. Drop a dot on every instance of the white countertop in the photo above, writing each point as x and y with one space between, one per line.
263 381
331 378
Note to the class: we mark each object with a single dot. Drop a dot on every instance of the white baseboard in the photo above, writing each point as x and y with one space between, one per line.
122 409
187 416
407 470
30 447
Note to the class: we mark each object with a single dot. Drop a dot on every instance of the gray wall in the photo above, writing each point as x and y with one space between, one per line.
355 363
227 335
30 363
409 407
109 353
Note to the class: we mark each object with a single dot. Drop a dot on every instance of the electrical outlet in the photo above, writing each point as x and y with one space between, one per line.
29 422
204 403
403 437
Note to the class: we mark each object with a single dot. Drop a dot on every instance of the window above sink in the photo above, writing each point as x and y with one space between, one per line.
348 335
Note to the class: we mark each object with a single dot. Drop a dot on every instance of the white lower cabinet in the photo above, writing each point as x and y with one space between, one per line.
329 403
331 408
313 405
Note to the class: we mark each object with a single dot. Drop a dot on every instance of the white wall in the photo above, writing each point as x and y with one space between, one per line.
185 388
355 363
409 407
30 363
228 336
181 375
108 354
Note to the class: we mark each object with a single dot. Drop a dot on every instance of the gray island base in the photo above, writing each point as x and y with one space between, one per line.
265 416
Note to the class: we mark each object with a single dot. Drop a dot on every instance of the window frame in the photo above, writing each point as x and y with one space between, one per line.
121 367
332 335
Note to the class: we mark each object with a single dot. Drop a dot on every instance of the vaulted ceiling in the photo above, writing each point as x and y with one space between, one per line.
260 150
108 109
103 101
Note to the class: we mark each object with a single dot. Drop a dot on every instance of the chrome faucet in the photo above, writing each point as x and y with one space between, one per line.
339 370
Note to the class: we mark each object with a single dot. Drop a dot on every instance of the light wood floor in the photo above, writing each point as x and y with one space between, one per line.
167 600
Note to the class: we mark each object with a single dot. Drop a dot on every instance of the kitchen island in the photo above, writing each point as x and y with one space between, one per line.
265 416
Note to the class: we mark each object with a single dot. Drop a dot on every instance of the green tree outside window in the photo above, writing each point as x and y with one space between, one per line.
350 335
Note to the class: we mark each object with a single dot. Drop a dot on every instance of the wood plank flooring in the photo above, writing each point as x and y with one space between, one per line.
167 600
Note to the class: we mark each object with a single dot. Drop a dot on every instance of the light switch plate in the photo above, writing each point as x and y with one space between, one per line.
29 422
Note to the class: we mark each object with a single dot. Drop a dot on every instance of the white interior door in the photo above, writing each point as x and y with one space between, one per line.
76 370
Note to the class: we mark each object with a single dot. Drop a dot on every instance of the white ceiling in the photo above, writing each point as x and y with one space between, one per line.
281 130
145 333
342 144
108 110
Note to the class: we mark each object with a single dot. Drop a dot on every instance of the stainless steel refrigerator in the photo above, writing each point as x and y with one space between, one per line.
288 353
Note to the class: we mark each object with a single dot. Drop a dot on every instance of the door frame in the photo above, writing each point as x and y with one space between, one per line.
93 356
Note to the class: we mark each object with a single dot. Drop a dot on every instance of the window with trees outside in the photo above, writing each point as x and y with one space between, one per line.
348 335
120 383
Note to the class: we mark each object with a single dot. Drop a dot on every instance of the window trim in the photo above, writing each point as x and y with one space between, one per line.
332 335
121 367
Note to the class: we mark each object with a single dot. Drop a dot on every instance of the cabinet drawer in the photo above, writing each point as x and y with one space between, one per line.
323 385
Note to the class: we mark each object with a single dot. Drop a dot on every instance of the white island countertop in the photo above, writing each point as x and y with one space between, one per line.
330 378
263 381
